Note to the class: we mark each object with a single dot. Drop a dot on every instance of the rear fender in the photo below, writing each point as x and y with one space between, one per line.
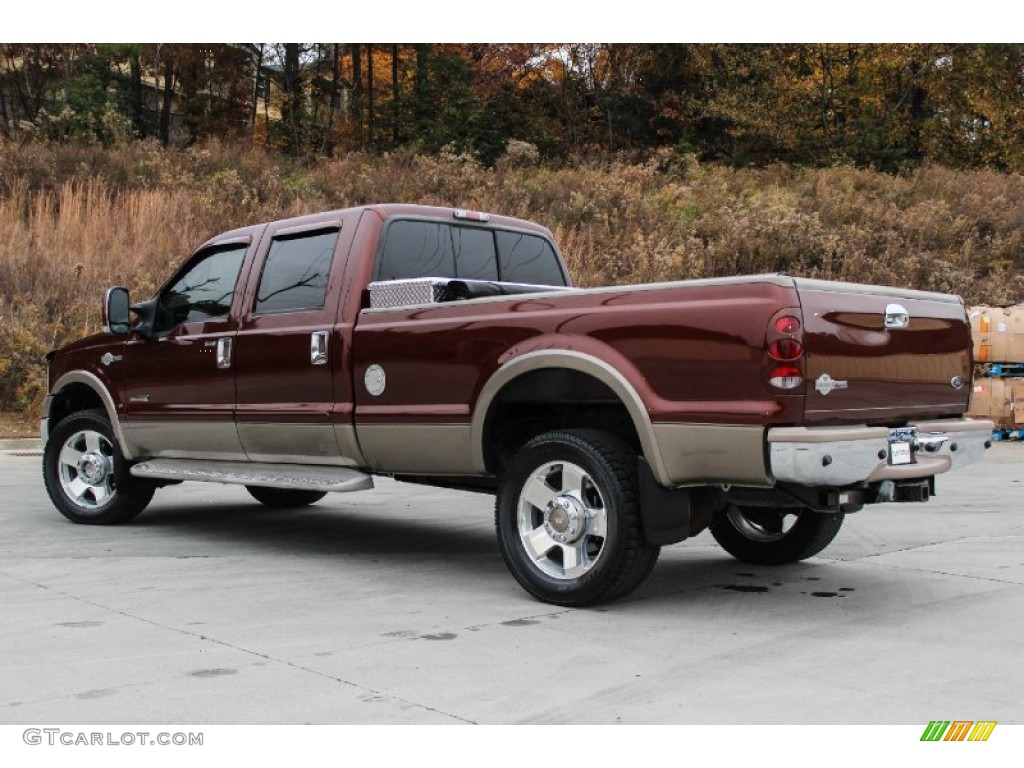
611 372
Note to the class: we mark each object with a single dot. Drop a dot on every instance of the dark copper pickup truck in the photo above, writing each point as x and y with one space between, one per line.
447 347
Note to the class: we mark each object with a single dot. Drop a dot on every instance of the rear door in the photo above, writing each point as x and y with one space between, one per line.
287 349
882 355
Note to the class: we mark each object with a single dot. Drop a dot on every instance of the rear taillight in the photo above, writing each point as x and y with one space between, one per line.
784 346
788 325
785 350
786 377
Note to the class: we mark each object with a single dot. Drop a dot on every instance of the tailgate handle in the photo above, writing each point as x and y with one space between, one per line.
896 316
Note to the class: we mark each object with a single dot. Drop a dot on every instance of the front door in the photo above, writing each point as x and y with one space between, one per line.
180 381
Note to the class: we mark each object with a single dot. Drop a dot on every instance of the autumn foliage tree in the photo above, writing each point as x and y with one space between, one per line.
888 107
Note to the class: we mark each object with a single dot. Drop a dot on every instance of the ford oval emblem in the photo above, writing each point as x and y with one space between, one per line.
957 382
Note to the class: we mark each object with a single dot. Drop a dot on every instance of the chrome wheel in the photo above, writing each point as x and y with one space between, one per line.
85 474
762 525
86 469
562 520
568 518
768 536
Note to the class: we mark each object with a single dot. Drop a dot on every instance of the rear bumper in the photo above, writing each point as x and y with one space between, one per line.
841 456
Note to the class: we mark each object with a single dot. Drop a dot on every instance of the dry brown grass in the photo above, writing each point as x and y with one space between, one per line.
74 220
18 424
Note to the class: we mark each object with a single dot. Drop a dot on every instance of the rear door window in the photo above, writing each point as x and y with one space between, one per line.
295 273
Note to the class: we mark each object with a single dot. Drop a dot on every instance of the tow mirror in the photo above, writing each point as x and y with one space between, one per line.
116 308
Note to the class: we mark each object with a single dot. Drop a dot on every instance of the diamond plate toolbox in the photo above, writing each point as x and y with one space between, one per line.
405 293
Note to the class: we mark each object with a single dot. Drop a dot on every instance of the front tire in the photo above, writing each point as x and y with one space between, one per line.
284 498
765 536
86 475
568 519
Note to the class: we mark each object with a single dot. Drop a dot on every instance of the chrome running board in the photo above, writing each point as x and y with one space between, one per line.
297 476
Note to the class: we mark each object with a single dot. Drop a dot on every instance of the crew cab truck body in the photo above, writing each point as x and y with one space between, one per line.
449 348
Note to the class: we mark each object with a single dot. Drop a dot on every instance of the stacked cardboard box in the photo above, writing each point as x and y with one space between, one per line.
998 335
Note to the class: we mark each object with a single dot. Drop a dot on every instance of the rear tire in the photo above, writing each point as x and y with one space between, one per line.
86 475
765 536
284 498
568 519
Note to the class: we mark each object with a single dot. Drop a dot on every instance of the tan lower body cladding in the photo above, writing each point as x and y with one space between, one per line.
710 454
227 441
691 454
422 449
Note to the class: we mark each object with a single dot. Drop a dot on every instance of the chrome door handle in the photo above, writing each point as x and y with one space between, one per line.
224 352
896 316
318 347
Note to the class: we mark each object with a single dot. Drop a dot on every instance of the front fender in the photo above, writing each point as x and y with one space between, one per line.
102 391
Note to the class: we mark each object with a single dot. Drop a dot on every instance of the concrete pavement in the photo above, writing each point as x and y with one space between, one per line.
394 606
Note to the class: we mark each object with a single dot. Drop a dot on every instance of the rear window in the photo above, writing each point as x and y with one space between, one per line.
528 259
475 258
434 249
416 249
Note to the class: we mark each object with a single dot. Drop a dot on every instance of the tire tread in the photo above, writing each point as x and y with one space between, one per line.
131 495
634 558
812 532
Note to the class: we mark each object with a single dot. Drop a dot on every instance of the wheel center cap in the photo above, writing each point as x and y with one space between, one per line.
92 468
564 520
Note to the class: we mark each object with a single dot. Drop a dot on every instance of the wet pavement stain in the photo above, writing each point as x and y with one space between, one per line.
743 588
96 693
519 622
219 672
440 636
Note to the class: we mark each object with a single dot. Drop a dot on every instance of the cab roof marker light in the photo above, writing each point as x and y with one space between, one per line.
471 215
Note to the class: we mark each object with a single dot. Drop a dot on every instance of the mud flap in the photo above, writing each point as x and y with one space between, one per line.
665 513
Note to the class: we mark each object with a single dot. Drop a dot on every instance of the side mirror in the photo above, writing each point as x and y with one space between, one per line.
116 317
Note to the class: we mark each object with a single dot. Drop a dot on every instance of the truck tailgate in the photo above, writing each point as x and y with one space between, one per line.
883 355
